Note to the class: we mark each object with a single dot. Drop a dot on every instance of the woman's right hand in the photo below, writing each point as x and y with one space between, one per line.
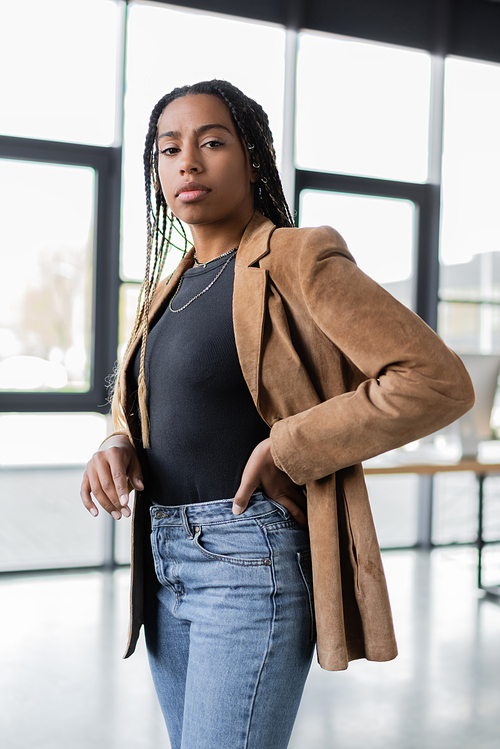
108 476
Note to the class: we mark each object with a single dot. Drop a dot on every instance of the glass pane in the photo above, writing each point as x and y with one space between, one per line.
61 61
362 108
50 527
491 565
491 528
219 47
379 232
47 251
44 523
129 297
454 508
470 230
50 439
470 328
394 502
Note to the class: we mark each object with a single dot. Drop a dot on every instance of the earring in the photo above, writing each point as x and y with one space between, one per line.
256 165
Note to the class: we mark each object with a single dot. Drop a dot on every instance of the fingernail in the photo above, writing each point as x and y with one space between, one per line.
124 500
139 483
237 510
116 514
93 512
126 512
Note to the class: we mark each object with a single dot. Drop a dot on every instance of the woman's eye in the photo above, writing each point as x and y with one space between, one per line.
214 143
170 150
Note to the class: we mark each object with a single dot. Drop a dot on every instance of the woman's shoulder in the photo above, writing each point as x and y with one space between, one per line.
309 243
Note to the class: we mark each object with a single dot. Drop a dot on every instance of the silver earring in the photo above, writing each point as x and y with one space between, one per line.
256 165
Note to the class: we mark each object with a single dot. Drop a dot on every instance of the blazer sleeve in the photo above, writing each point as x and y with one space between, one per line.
414 383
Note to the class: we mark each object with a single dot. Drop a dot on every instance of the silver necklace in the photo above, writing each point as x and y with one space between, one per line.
204 265
231 253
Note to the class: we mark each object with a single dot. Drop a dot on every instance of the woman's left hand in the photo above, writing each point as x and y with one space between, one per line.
261 471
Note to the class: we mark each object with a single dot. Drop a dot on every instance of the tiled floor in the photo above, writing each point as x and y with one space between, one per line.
63 684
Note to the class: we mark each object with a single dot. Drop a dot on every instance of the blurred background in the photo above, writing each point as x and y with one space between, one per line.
386 117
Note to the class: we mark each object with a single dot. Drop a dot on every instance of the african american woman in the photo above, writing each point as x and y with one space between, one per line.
257 378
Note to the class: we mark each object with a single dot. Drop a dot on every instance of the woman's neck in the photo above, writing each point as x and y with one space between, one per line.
211 240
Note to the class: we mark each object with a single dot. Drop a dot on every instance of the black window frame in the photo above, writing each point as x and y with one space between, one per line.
426 198
106 162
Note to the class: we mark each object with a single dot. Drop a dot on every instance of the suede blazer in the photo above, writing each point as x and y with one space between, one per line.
341 372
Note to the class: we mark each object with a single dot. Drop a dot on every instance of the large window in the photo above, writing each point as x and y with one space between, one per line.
48 255
380 231
356 123
362 108
41 458
59 77
469 311
218 48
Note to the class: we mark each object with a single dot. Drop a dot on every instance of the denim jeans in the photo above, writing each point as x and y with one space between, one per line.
230 636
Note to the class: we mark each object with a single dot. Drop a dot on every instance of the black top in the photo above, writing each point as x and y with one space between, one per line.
203 422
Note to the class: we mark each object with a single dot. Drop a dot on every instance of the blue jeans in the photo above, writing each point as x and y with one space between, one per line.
230 636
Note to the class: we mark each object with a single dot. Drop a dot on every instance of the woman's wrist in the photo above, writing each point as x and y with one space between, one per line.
117 439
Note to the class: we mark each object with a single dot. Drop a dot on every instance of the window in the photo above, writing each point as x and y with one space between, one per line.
380 234
362 108
61 58
469 311
156 42
47 261
43 522
364 129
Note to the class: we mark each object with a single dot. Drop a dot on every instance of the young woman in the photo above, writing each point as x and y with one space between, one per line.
256 380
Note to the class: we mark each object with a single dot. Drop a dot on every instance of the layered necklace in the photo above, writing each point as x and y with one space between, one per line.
230 255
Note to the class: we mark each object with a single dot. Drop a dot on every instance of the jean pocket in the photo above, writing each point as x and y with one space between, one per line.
241 543
160 564
305 567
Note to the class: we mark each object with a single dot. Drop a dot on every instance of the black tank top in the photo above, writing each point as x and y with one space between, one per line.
203 422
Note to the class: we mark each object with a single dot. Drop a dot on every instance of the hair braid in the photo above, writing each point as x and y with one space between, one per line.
253 126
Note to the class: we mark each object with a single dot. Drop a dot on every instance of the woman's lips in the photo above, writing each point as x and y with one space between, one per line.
190 191
190 195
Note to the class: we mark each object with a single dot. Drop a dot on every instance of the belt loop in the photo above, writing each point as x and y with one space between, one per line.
286 514
185 523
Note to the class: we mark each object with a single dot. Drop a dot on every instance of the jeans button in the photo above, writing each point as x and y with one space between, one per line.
267 562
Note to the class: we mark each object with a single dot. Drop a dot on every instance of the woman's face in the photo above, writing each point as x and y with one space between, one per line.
205 171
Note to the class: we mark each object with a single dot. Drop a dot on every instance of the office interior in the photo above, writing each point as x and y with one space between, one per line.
386 117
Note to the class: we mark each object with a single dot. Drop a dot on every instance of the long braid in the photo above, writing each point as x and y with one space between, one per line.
159 227
270 198
253 126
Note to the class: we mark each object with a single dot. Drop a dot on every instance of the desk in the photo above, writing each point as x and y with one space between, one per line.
482 471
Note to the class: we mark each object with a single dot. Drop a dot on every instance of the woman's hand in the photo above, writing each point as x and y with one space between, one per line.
109 474
261 471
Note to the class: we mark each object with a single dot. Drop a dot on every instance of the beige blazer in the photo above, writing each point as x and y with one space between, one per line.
341 372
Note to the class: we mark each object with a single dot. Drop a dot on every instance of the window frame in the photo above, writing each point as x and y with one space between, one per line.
426 198
106 162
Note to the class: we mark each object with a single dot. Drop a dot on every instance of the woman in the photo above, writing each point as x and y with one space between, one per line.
270 367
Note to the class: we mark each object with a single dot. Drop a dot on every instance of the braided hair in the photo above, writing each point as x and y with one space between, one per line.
252 125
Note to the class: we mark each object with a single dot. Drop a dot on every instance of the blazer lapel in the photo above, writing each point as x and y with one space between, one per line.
249 299
248 319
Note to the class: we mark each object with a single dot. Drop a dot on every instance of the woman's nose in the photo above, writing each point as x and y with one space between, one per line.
190 161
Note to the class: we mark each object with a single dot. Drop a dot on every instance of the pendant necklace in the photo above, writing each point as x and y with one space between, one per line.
231 254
